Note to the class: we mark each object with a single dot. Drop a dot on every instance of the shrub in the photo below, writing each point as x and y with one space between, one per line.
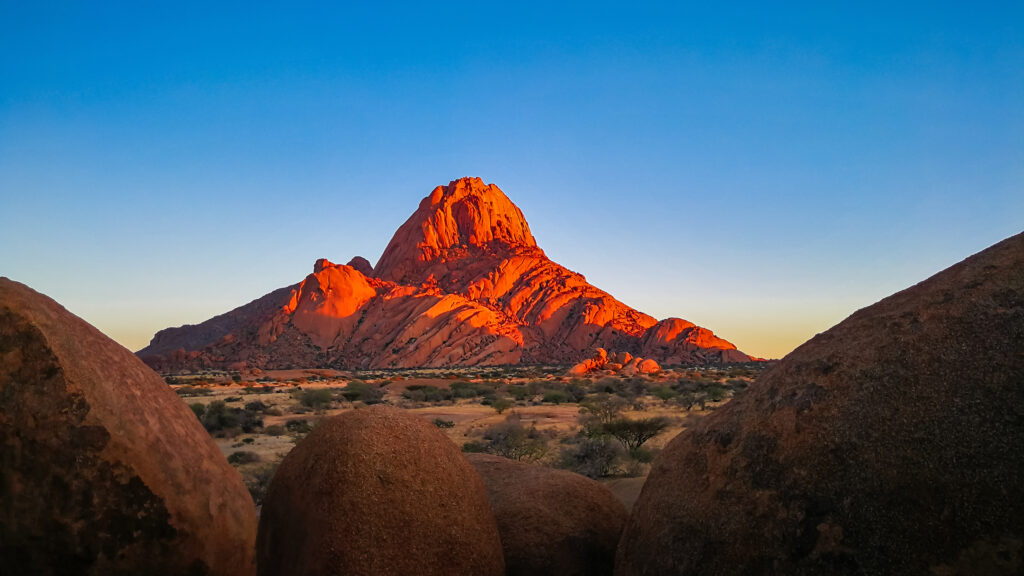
501 404
318 399
520 393
664 393
575 392
556 396
443 423
512 440
198 409
219 416
475 447
426 393
593 457
256 406
243 457
298 426
603 407
275 430
359 391
259 481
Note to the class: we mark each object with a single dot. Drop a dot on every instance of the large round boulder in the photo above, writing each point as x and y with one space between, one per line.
377 491
893 443
103 469
551 521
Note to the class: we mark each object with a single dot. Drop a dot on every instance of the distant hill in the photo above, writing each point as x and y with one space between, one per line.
462 283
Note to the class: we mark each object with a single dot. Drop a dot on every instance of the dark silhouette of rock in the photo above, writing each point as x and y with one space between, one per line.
361 264
462 282
551 521
893 443
377 491
103 470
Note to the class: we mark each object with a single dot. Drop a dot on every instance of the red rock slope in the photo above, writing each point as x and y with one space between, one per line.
462 282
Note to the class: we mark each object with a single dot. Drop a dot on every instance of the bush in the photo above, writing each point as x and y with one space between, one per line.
520 393
512 440
243 457
198 409
259 481
556 396
475 447
426 393
575 392
298 426
219 416
593 457
601 408
318 399
501 404
256 406
275 430
359 391
664 393
443 423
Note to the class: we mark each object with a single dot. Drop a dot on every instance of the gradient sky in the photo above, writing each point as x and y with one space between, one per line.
761 171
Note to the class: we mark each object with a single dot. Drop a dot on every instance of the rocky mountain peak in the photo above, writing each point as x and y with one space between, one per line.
466 217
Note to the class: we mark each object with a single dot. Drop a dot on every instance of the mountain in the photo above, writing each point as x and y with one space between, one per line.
462 282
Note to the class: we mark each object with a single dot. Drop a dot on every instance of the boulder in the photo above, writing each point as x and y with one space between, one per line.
648 366
377 491
551 521
596 362
105 470
890 444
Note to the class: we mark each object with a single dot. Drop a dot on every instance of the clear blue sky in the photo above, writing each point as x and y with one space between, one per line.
760 170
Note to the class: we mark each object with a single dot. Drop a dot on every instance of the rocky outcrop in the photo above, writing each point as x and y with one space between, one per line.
890 444
361 264
462 282
377 491
621 363
551 521
105 470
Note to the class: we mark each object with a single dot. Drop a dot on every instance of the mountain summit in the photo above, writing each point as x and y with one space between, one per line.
461 283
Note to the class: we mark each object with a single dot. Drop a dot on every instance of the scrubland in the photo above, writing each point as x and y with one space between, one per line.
603 426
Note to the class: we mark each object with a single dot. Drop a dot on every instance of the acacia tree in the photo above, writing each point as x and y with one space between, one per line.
633 433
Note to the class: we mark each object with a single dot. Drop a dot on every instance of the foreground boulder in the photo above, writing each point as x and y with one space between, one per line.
104 469
377 491
891 444
551 521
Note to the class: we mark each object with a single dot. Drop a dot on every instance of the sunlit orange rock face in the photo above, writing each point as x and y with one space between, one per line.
462 282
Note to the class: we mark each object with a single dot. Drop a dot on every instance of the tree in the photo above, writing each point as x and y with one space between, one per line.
593 457
556 396
633 433
665 393
603 407
512 440
501 404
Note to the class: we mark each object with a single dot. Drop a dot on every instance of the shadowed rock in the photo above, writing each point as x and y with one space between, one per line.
893 443
377 491
103 470
551 521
